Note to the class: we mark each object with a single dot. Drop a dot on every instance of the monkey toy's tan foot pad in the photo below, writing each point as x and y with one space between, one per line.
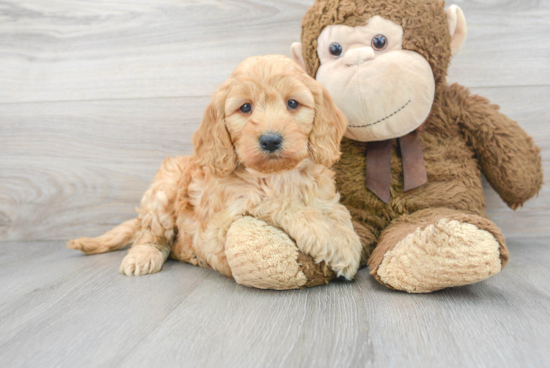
448 252
265 257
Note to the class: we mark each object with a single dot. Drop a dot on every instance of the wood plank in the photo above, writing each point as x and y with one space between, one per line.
79 168
504 46
39 294
59 308
91 50
70 168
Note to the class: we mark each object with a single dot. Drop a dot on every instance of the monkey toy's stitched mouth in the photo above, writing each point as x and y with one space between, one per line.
381 120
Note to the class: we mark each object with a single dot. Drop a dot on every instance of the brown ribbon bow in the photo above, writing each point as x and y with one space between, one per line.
379 165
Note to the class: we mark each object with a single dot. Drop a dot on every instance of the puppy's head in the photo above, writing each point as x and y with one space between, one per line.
269 116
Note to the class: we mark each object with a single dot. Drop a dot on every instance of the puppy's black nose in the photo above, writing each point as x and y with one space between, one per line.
271 142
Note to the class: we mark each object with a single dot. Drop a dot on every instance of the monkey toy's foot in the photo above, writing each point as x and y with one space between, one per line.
265 257
437 249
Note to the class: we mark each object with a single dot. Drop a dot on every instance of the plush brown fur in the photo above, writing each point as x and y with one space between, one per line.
424 23
464 137
407 224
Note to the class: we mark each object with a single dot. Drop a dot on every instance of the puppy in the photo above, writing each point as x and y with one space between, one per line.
262 150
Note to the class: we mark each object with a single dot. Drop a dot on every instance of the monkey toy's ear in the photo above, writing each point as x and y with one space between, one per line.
457 28
296 52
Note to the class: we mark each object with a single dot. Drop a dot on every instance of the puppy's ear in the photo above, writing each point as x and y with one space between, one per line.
214 150
329 127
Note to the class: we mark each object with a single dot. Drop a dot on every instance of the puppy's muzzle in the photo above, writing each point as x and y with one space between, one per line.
271 142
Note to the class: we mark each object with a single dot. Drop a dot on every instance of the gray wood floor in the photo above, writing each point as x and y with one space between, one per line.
59 308
94 94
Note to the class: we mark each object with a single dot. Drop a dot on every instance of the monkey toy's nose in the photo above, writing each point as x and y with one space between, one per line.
271 142
358 56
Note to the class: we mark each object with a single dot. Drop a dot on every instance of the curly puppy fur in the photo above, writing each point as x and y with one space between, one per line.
194 200
464 136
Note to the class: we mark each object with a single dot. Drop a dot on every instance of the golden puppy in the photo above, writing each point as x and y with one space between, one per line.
262 150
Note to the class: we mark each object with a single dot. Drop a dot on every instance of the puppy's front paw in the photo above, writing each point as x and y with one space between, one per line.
142 261
347 253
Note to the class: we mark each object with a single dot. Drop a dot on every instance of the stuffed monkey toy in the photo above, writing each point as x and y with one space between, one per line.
414 150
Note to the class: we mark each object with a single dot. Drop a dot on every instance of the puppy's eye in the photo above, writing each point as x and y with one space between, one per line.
293 104
246 108
379 42
335 49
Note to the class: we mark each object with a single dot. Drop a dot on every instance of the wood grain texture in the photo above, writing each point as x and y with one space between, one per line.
59 308
95 94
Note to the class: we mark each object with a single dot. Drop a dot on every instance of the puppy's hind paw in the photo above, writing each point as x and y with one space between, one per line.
87 246
142 261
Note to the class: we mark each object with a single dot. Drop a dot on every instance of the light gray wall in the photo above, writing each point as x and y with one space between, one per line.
95 94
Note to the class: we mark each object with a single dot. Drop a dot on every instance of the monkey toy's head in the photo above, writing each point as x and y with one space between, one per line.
381 60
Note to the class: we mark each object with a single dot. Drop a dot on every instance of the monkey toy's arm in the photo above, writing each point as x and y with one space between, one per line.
508 156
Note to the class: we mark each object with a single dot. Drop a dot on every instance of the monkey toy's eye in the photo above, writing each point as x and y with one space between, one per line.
246 108
293 104
379 42
335 49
